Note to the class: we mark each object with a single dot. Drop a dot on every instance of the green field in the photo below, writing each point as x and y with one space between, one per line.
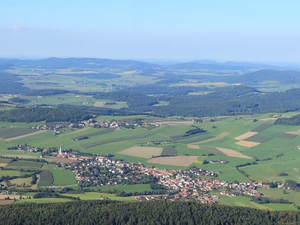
6 133
63 177
97 196
125 188
21 164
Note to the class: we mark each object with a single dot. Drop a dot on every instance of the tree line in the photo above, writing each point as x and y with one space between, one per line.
157 212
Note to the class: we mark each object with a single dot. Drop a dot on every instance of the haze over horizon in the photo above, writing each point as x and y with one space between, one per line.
232 30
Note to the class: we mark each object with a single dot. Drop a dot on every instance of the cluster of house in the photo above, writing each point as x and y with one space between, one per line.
57 128
32 149
180 184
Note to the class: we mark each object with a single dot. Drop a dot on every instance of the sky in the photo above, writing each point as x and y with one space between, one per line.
241 30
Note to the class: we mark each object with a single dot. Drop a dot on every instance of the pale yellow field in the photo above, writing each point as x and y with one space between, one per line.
26 135
20 181
248 144
174 160
297 132
190 146
99 104
268 119
3 164
173 122
200 84
245 135
142 152
6 202
232 153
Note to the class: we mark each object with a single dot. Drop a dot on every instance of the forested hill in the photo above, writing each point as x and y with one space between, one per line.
158 212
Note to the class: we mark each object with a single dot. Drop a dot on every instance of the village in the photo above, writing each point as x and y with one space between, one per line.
192 184
59 128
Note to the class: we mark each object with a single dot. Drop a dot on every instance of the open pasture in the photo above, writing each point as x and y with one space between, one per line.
262 127
174 160
10 173
102 131
213 150
142 152
63 177
245 135
191 146
287 135
169 150
172 122
143 135
297 132
258 138
232 153
248 144
216 138
8 133
25 165
21 181
194 138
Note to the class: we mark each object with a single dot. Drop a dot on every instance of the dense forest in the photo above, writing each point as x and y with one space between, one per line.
60 114
10 84
294 120
226 101
158 212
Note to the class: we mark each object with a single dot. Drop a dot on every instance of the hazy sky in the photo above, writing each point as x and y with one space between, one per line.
255 30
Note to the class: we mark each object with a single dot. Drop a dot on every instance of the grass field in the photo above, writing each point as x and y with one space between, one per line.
63 177
258 138
21 164
174 160
43 200
102 131
262 127
142 152
97 196
287 135
125 188
7 133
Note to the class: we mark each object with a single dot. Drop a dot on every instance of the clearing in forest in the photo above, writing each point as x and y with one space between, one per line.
248 144
245 135
174 160
142 152
232 153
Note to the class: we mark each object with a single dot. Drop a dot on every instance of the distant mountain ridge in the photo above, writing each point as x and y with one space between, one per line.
93 63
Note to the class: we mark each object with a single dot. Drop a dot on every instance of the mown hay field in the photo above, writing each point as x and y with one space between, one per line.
245 135
142 152
232 153
248 144
174 160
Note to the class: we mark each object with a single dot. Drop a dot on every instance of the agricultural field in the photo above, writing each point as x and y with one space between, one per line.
142 152
63 177
10 133
174 160
46 178
24 164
